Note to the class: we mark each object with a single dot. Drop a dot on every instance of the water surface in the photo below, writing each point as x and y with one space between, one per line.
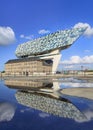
26 105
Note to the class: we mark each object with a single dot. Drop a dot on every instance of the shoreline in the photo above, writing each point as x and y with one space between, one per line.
88 78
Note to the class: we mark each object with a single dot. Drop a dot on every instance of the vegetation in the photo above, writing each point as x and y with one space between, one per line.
3 71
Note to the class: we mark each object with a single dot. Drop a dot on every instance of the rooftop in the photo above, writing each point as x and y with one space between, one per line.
45 62
21 60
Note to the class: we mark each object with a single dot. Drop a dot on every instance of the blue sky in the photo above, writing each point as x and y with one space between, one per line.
23 20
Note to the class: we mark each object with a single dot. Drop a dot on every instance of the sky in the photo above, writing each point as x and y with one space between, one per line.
24 20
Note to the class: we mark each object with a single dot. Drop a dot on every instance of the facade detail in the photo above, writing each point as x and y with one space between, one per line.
59 40
42 55
27 67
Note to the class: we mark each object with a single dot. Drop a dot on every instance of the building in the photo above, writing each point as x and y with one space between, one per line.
42 55
0 74
27 67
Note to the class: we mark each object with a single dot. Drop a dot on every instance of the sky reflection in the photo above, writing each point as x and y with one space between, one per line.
48 107
7 111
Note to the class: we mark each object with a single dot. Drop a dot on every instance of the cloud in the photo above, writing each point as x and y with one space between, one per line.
87 51
29 37
89 30
7 111
89 114
27 109
77 60
43 31
69 67
7 35
44 115
75 83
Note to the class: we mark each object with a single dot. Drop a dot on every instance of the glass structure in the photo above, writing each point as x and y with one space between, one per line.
46 44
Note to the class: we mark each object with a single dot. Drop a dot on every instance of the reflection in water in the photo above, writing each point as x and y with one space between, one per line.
7 111
49 104
79 92
85 105
76 84
28 84
51 98
89 114
43 115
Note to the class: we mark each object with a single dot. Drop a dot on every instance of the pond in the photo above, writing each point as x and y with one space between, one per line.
45 105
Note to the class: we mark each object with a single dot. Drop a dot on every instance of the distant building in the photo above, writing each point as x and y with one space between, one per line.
0 74
42 55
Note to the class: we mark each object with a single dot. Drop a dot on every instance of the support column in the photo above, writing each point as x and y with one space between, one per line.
55 56
56 86
56 60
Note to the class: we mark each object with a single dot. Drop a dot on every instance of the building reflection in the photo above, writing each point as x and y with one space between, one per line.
48 97
78 89
28 84
50 104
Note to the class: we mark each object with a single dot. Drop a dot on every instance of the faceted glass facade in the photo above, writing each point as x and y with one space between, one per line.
58 40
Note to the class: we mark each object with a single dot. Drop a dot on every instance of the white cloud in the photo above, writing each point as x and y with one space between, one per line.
69 67
7 35
87 51
44 115
29 37
77 59
22 36
7 111
75 83
89 30
26 109
89 114
43 31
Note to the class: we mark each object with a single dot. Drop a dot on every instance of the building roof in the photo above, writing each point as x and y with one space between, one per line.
58 40
45 62
21 60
